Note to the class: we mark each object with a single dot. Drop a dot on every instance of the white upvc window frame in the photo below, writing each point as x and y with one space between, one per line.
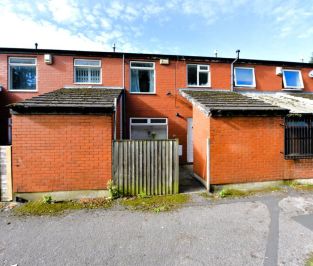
89 68
208 71
245 86
148 123
21 64
142 68
291 87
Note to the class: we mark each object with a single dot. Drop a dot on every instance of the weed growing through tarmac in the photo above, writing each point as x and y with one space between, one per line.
156 203
206 195
54 208
228 192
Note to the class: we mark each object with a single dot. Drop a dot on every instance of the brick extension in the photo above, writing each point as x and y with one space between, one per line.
61 152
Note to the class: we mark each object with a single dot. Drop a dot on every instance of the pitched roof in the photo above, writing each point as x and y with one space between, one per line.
297 103
222 102
70 100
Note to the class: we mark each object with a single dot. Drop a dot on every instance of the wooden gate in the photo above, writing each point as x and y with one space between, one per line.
146 166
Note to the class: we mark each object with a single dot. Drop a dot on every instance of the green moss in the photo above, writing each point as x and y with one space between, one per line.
309 261
41 208
229 192
297 185
224 193
206 195
303 186
156 203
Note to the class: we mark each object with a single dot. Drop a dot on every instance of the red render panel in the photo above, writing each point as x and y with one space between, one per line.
61 152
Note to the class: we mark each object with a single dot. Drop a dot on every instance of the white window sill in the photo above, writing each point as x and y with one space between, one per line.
292 89
143 93
195 86
83 83
245 87
22 90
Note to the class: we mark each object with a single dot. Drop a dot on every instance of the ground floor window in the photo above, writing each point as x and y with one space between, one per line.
148 128
298 137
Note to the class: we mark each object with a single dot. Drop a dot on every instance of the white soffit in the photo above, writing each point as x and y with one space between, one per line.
295 104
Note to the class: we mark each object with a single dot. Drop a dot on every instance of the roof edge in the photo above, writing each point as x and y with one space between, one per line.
4 50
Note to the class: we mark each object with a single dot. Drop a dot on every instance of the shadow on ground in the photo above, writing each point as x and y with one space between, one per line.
187 183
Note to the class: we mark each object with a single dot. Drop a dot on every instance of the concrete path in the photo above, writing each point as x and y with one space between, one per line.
266 230
187 183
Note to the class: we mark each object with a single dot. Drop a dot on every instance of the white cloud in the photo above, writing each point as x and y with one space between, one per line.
64 10
73 24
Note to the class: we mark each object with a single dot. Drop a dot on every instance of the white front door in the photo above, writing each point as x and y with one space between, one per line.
189 141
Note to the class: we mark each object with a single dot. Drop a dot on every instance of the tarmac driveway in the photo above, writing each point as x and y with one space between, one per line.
268 230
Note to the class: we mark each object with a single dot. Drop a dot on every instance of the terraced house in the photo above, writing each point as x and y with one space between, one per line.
237 120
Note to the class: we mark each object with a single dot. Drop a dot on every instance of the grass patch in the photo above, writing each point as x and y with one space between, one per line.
230 192
54 208
156 203
309 261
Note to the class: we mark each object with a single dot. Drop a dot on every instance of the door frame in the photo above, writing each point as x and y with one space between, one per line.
189 149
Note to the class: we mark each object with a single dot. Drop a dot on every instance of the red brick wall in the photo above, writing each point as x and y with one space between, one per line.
61 152
49 78
169 78
267 80
244 149
201 133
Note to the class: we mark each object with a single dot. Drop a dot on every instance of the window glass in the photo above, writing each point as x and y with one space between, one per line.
244 77
198 75
142 64
292 79
192 75
87 71
142 78
22 74
298 137
139 121
29 61
203 78
84 62
203 67
158 120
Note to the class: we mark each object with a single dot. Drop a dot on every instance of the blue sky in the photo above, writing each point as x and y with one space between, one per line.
261 29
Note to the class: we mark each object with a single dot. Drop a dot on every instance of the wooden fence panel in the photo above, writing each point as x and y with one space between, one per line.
146 166
5 174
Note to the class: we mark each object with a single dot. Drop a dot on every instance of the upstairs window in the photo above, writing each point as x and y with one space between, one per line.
87 71
198 75
292 79
22 74
142 78
298 137
244 77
